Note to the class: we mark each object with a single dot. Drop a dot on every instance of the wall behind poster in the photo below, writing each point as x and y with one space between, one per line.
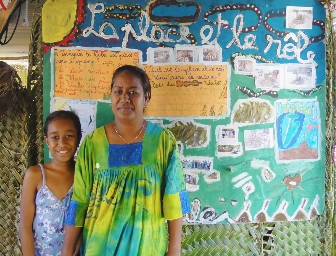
241 85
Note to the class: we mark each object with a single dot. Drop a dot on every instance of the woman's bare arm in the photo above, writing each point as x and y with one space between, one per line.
175 233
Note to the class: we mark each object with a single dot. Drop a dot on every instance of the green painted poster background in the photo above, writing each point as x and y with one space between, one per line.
296 190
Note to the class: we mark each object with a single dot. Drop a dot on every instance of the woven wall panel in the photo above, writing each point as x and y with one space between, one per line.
279 238
13 162
295 238
221 240
328 225
35 87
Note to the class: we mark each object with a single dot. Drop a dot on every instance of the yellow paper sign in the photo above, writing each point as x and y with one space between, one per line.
188 90
87 74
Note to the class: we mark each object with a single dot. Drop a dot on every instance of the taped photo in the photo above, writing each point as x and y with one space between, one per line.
212 177
209 54
232 149
191 180
244 66
258 138
227 133
197 164
160 55
298 17
185 54
180 148
263 166
269 77
300 76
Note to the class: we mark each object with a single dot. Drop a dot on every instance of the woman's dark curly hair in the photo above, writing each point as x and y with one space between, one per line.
139 73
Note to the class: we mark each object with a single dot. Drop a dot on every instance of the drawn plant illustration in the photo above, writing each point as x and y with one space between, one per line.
253 112
189 133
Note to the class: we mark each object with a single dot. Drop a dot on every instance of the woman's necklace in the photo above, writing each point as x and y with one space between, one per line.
143 125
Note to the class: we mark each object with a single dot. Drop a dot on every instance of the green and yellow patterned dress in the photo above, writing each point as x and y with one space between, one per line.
123 194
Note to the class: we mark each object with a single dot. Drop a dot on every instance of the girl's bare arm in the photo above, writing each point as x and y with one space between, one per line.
72 240
27 210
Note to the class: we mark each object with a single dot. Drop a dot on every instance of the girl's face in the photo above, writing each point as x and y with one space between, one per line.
62 139
127 97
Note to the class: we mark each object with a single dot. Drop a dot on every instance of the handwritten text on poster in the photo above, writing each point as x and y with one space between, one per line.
188 90
87 74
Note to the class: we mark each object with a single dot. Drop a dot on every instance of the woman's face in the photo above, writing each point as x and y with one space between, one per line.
127 97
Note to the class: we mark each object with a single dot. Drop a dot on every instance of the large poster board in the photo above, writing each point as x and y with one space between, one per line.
241 85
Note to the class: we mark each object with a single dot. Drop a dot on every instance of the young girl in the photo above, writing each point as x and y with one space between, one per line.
47 188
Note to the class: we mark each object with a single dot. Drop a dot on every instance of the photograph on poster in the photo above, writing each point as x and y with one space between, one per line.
185 54
267 174
227 133
209 54
160 55
269 77
197 164
259 138
300 76
265 171
212 177
232 149
191 179
180 148
298 17
244 66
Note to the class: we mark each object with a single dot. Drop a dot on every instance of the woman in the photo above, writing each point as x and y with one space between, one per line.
128 180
